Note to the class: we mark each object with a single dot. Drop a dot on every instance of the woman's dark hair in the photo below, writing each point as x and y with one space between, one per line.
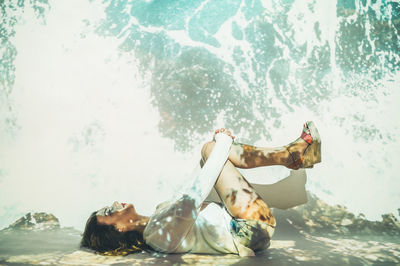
108 241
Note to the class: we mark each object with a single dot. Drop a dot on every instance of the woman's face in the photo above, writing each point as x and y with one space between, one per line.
116 206
122 216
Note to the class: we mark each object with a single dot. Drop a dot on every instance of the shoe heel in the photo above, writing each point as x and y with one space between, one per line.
313 153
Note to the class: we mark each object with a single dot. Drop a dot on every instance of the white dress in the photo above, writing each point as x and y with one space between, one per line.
180 226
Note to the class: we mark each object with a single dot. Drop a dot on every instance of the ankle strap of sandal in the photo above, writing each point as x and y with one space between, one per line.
296 163
306 137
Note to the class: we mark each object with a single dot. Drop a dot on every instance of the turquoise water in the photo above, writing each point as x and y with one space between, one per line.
105 100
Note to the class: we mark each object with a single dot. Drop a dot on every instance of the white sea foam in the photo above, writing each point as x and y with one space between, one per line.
88 133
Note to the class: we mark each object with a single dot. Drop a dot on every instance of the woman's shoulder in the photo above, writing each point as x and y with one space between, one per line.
163 205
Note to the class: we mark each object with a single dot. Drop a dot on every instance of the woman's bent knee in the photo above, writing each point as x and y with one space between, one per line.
206 150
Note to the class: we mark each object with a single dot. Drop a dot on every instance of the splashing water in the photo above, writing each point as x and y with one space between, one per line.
106 100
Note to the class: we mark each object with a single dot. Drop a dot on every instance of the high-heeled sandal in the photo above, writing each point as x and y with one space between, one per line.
312 154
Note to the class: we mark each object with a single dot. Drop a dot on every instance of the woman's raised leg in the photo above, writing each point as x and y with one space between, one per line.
239 197
303 152
248 156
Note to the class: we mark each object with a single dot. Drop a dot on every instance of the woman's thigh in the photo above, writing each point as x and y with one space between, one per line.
240 198
253 223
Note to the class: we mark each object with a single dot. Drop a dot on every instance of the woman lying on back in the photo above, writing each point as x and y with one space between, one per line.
244 223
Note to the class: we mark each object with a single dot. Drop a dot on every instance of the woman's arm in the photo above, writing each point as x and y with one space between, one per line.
169 226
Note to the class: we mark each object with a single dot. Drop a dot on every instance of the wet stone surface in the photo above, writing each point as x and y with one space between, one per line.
35 222
313 234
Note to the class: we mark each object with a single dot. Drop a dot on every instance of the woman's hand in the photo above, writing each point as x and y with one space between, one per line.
224 131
